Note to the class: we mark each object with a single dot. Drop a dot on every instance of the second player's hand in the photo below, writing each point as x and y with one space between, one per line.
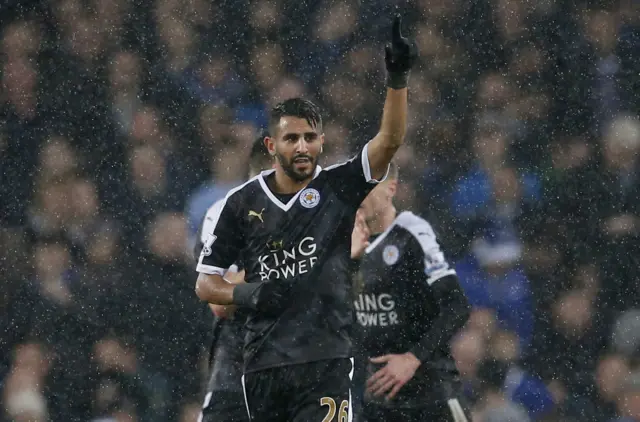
359 237
399 369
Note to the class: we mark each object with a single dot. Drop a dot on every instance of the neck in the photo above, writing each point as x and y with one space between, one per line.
285 185
381 222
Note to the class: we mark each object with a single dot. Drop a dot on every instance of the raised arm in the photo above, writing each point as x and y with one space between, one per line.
400 56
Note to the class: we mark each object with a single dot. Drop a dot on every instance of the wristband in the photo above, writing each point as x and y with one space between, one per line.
423 354
397 80
244 295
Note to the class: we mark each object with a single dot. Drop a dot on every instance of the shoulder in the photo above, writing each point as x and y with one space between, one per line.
214 209
233 199
247 187
340 164
241 193
416 226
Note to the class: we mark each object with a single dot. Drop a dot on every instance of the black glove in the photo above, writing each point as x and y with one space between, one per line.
400 56
268 297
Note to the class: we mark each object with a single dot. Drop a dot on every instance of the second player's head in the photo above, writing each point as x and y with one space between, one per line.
380 199
259 157
295 126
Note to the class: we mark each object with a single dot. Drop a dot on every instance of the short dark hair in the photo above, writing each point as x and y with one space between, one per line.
295 107
259 157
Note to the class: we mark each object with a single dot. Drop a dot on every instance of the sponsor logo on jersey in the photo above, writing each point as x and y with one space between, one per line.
274 245
288 262
309 198
376 310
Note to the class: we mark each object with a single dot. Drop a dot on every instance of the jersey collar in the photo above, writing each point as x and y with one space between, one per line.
272 197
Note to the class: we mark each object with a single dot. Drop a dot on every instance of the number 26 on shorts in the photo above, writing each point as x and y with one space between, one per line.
343 413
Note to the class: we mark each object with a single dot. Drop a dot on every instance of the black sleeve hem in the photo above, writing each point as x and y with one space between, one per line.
245 295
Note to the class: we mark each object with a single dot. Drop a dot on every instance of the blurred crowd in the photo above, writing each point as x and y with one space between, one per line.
121 121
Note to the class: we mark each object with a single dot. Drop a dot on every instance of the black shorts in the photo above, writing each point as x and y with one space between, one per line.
311 392
451 411
224 406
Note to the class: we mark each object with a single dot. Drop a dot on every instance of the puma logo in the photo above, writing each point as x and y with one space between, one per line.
253 213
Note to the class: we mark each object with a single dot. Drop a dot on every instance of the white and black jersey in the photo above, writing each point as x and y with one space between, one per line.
302 241
225 355
409 300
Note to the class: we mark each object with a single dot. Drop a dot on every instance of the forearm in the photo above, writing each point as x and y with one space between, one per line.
212 288
393 126
454 313
400 56
384 145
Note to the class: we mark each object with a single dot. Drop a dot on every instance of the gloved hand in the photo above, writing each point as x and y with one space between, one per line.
400 56
269 297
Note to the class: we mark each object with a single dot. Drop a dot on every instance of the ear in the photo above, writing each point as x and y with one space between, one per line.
393 187
270 143
321 143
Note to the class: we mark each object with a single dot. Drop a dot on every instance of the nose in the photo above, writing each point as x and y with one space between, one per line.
302 147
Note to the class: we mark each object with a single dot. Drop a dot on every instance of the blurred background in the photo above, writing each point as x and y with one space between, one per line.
121 121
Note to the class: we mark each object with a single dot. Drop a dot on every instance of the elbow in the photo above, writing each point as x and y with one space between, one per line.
465 311
202 288
456 301
462 307
393 139
199 290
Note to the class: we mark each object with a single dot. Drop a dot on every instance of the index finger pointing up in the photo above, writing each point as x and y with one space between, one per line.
395 30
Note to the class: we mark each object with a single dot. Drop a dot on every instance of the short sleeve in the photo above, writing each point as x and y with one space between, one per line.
206 227
352 179
221 237
434 263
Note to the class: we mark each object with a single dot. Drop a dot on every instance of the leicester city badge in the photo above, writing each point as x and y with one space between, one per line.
390 254
309 198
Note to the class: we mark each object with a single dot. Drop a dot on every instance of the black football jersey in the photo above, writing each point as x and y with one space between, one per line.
394 304
225 355
305 243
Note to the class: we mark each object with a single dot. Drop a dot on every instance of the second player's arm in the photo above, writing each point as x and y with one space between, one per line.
430 265
454 310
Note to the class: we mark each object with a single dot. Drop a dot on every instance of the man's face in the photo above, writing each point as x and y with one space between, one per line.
378 200
297 146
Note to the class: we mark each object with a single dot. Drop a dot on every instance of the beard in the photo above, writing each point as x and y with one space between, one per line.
290 170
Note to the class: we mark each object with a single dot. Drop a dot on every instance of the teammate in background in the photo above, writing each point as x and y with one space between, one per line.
409 306
292 226
224 401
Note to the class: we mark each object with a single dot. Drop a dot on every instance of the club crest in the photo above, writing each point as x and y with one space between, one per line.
390 254
309 198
